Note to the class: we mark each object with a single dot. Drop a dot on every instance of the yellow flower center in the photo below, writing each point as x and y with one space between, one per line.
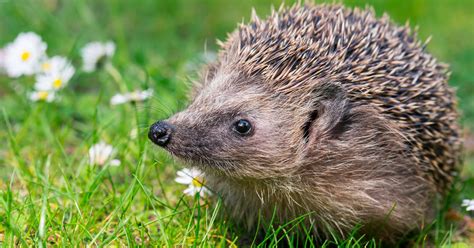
134 96
43 95
197 182
25 55
57 83
46 66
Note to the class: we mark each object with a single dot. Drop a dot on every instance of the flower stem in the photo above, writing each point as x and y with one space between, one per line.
115 74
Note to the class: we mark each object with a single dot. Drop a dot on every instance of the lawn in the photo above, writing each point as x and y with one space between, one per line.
51 195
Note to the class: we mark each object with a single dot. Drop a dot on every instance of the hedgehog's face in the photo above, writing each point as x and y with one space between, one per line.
233 127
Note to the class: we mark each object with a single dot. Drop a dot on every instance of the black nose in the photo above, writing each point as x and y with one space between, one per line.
160 133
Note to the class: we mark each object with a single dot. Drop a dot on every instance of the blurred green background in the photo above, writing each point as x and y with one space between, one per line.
160 45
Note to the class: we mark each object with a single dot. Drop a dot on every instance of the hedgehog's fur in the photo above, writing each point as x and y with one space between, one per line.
354 122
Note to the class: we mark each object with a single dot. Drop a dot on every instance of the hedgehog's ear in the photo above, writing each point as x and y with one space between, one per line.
329 113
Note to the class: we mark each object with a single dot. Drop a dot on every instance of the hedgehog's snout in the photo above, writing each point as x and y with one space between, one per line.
160 133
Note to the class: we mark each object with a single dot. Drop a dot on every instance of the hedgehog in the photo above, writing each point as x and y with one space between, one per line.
324 112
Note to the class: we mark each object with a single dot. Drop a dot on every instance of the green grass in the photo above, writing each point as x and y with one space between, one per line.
50 195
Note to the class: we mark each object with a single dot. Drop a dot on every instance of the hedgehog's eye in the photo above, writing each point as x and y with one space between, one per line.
242 127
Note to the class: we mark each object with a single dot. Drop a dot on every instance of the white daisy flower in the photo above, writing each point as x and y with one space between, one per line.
101 153
119 99
469 204
135 96
194 178
22 56
56 73
95 53
42 95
